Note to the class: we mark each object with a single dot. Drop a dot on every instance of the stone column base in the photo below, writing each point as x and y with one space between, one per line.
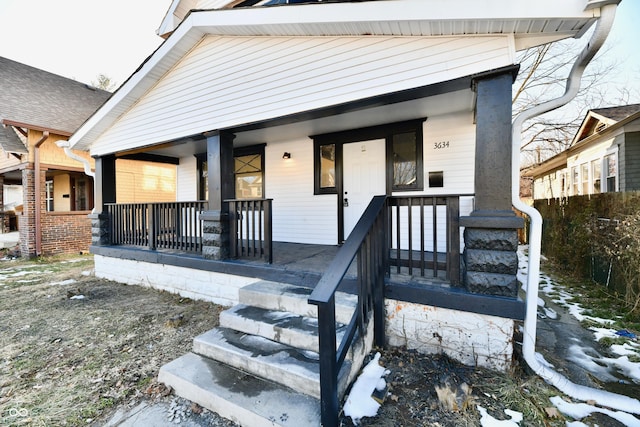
215 235
490 254
100 232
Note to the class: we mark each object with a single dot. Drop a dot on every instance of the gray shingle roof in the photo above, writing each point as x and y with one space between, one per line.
42 99
10 142
618 113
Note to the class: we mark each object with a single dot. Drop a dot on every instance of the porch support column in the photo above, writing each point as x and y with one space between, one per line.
491 236
105 192
221 186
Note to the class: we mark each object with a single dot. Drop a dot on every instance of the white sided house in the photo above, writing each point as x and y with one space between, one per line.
360 146
604 156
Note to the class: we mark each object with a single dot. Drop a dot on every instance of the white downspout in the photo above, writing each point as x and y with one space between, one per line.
85 162
576 391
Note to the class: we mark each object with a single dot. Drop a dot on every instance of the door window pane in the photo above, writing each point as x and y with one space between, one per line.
328 166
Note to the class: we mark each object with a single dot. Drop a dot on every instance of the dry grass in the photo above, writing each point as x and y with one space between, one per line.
66 361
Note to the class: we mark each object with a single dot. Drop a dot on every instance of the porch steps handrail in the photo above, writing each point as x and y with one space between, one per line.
367 241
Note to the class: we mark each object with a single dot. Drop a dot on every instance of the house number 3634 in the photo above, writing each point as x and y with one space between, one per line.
440 145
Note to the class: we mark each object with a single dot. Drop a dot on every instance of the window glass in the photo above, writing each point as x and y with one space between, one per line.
49 195
248 175
611 171
584 171
405 161
574 180
596 175
328 166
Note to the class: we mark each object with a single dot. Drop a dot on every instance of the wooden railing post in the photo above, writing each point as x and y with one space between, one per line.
453 240
268 233
328 364
153 226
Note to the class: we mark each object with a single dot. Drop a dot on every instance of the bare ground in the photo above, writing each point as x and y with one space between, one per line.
74 348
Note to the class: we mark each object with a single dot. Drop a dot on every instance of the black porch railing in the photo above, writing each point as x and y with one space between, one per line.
393 231
416 245
368 243
174 226
250 229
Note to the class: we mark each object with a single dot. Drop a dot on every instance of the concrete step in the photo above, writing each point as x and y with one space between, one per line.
235 395
298 369
280 326
291 298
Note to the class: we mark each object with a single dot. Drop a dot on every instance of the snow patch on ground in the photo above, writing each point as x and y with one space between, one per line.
602 367
78 297
579 411
359 403
64 282
487 420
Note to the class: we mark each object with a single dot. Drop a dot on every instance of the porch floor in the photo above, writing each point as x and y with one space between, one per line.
311 259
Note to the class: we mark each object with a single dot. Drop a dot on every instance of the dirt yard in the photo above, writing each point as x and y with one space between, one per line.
74 348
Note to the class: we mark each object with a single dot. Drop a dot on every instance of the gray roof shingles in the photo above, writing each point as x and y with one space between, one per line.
46 100
618 113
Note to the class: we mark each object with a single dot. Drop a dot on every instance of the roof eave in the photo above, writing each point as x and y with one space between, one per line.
314 19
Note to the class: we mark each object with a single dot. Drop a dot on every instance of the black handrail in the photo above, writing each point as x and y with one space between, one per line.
367 241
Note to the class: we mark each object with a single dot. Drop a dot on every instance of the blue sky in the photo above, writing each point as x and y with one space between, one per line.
83 38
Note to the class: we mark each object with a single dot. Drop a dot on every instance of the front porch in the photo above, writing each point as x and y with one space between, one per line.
171 234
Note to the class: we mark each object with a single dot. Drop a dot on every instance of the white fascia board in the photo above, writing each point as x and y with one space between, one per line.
397 10
141 81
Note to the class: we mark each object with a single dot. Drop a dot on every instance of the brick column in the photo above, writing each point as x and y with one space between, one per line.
4 227
221 186
490 236
27 220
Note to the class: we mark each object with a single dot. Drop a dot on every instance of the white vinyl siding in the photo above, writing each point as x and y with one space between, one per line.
187 179
229 81
298 215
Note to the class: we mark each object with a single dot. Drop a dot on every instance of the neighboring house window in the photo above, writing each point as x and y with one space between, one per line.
563 184
575 180
249 172
611 169
584 175
49 195
81 192
596 176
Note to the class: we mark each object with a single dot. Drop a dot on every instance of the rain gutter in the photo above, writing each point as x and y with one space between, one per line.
576 391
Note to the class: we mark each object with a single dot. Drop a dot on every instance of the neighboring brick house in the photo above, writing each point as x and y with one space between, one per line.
38 109
604 156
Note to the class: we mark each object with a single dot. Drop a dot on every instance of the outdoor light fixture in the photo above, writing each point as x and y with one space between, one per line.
286 155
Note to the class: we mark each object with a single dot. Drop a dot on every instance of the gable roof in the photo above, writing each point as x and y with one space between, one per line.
598 119
37 99
598 123
526 21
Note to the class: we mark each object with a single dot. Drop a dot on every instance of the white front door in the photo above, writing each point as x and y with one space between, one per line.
364 169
